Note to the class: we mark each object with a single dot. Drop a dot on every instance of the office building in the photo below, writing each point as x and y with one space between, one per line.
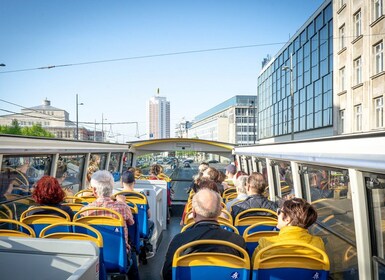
303 71
158 113
232 121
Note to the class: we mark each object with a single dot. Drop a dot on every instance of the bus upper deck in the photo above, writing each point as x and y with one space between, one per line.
343 177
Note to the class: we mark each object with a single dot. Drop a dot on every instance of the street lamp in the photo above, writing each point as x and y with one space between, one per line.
287 68
103 119
252 105
77 116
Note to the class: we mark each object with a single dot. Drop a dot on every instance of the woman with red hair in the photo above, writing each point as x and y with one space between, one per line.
48 192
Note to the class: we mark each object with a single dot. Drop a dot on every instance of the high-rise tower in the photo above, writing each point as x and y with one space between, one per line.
158 112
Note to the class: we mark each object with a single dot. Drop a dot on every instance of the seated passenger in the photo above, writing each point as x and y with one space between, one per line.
48 192
206 207
213 174
240 184
102 184
231 170
128 183
294 218
255 188
155 171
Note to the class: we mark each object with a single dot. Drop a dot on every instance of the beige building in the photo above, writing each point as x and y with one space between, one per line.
359 76
52 119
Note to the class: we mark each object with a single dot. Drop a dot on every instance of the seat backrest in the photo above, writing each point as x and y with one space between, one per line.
9 227
38 217
230 197
5 212
229 191
111 226
223 224
133 230
290 260
254 215
206 265
226 215
141 202
79 231
75 207
74 199
253 233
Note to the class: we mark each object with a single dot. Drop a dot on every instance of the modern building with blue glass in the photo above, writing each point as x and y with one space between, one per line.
302 68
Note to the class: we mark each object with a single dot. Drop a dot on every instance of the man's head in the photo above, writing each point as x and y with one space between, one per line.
256 184
231 170
102 183
206 205
128 178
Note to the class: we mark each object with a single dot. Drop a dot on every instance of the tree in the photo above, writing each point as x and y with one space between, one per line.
14 128
34 130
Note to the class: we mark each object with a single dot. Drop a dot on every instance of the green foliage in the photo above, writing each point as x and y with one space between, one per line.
34 130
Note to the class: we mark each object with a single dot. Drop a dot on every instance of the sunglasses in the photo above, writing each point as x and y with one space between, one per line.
279 211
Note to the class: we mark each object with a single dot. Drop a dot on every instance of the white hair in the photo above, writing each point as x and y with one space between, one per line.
241 183
103 182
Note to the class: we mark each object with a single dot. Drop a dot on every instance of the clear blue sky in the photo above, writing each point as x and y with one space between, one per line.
39 33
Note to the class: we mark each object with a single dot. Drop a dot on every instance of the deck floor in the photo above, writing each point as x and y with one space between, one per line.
152 270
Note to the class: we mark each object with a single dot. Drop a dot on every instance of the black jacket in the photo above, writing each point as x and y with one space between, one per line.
201 230
253 201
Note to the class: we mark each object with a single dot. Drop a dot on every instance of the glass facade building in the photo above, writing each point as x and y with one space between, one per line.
308 56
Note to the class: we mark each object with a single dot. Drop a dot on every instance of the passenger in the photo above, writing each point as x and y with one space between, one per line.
240 184
155 171
222 180
102 184
294 218
90 171
48 192
128 183
255 188
204 183
206 209
213 174
231 170
194 185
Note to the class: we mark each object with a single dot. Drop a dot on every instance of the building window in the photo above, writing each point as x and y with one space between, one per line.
342 122
342 37
358 117
379 107
379 57
342 79
358 70
357 24
377 9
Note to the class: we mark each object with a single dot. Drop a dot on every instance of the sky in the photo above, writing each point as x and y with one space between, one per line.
115 54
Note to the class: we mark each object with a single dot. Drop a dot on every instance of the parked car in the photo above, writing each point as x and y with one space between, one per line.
213 161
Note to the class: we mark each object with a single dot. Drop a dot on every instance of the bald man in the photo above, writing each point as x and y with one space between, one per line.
206 207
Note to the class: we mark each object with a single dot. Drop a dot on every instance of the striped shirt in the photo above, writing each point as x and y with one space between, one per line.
120 207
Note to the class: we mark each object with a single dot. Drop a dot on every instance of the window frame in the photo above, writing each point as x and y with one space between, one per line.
357 20
358 117
379 111
378 57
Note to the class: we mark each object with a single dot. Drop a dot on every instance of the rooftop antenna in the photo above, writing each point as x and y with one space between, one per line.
157 91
